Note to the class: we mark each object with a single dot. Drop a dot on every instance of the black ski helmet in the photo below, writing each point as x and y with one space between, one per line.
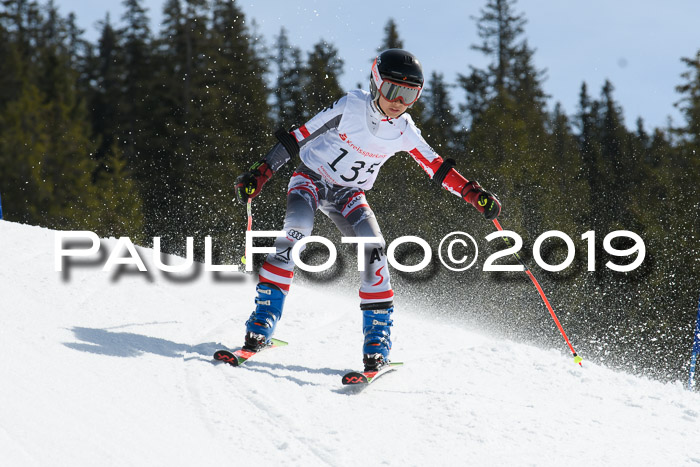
395 65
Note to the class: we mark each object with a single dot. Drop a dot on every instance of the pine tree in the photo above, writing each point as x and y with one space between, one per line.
499 29
168 199
135 54
683 166
158 175
212 79
22 21
475 86
564 141
14 70
527 80
106 96
243 125
391 37
689 104
572 186
322 86
75 43
44 131
506 109
440 125
289 95
590 155
118 210
23 144
687 167
240 71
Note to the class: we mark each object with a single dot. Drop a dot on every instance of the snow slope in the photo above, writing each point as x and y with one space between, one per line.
101 368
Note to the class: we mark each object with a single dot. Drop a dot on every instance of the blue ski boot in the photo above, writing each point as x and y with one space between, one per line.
268 310
376 325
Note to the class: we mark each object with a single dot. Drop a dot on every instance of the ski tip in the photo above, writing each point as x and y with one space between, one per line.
366 377
355 377
226 356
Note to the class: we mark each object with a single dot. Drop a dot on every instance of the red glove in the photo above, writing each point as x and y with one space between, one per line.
483 201
249 184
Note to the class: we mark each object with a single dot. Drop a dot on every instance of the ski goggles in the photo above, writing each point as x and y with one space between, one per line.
393 91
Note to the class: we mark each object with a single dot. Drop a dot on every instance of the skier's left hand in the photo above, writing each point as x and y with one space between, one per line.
249 184
484 202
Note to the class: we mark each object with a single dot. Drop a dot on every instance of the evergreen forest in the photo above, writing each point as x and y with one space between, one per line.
142 134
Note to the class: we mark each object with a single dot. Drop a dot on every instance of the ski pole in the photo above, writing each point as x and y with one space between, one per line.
577 359
249 210
696 351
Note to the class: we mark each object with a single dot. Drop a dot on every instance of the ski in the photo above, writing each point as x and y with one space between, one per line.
366 377
240 356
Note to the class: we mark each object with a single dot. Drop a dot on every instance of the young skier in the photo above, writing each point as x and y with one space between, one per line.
341 150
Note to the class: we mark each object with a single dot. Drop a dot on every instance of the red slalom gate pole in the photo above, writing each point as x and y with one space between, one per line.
577 359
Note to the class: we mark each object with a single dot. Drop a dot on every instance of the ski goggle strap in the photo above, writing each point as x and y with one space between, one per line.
393 91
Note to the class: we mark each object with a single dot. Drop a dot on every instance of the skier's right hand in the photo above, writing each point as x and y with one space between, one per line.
249 184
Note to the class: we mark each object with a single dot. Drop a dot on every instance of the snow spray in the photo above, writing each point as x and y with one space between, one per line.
577 358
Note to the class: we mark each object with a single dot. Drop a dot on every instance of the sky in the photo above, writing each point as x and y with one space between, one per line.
636 44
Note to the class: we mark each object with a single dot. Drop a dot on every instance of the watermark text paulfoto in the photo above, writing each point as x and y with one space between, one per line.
460 251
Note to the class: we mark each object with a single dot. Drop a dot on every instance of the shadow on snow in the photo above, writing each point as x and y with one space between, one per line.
128 344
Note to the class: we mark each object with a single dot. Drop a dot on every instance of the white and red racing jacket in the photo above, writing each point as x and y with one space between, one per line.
349 142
